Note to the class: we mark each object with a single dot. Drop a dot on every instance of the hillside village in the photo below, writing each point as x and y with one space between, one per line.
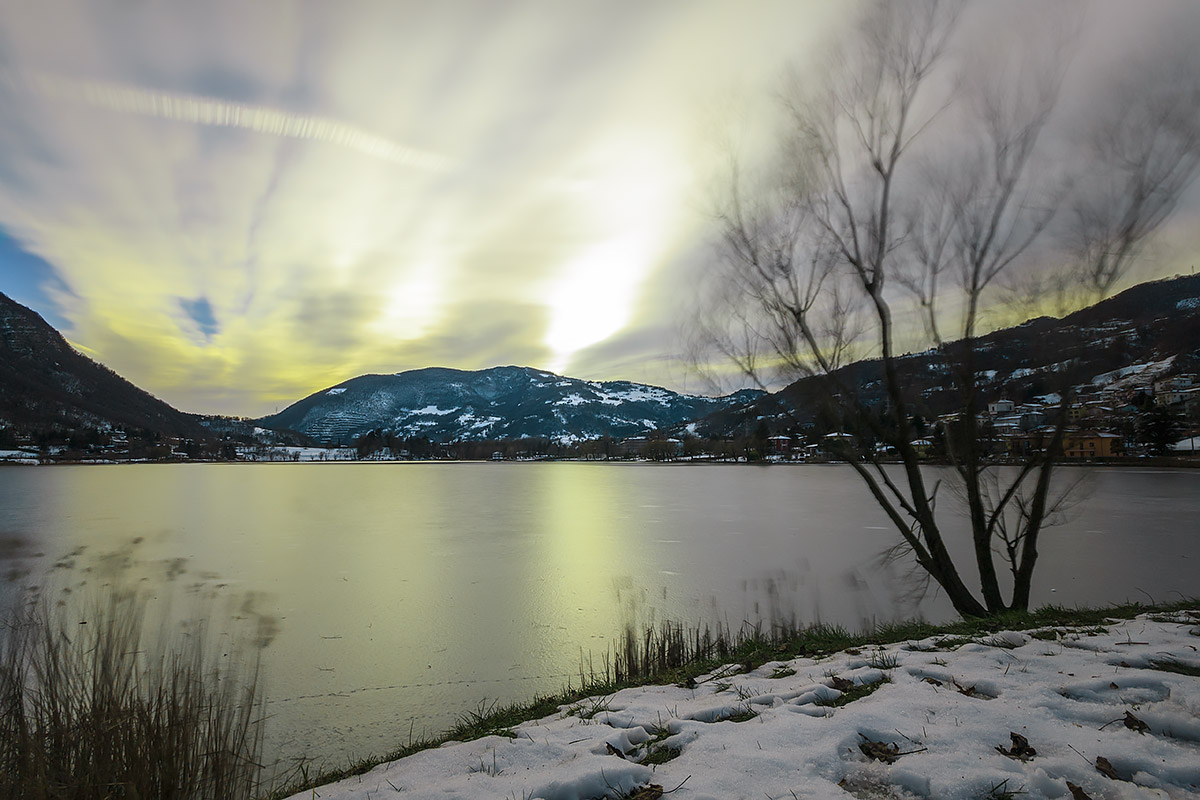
1140 411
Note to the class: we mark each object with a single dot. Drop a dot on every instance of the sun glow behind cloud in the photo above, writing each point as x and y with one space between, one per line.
631 203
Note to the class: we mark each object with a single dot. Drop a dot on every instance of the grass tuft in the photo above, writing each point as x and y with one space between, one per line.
660 754
588 708
90 708
856 692
743 715
999 642
882 660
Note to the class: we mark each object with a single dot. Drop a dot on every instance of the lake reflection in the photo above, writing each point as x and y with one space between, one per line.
407 593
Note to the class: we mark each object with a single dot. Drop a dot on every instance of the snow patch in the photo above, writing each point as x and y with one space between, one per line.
940 735
434 411
1149 369
573 399
641 394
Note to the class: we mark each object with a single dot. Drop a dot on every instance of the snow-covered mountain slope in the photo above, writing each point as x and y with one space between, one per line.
499 403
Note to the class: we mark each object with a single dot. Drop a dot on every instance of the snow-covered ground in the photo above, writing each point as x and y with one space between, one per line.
289 453
18 457
1134 375
945 707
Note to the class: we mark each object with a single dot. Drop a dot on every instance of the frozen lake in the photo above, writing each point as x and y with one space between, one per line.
401 590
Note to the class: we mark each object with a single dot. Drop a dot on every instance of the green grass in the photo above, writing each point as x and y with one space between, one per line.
946 643
589 707
486 720
856 692
673 654
1054 634
660 754
999 642
883 661
744 715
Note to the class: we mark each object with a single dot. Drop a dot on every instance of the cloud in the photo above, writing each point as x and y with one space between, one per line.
222 114
236 204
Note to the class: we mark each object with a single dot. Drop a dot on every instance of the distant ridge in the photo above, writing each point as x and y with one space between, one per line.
499 403
46 384
1150 322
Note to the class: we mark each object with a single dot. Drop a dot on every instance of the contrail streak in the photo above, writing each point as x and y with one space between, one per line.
224 114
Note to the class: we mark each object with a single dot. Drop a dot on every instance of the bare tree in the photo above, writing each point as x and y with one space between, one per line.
1143 152
910 183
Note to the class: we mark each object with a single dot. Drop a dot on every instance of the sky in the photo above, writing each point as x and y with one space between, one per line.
236 204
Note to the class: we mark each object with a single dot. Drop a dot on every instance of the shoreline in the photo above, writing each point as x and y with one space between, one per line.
1170 462
490 729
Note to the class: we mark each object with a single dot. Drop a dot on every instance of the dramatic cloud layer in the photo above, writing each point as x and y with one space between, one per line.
235 204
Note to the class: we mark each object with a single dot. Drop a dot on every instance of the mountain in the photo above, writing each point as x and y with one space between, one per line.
498 403
1152 327
46 384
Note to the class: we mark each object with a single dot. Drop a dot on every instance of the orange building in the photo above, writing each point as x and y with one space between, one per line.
1090 444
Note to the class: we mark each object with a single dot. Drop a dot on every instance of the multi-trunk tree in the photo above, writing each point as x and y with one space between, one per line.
917 184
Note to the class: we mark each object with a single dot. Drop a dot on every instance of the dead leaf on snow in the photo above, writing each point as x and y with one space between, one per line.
1020 749
612 751
841 684
1077 793
887 753
1105 768
1135 724
932 681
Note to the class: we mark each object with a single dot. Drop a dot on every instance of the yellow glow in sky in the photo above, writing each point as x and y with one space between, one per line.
632 206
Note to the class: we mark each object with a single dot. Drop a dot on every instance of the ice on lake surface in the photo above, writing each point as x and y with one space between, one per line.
406 594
